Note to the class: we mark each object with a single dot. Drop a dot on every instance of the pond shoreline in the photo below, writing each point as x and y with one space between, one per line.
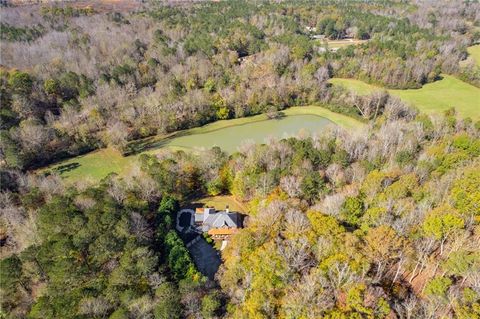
97 164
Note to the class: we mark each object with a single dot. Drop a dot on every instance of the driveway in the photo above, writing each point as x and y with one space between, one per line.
206 258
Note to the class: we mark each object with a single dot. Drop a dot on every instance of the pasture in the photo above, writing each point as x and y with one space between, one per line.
357 86
433 97
337 44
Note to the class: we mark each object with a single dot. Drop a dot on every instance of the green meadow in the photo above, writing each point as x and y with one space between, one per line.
228 134
474 53
431 98
92 166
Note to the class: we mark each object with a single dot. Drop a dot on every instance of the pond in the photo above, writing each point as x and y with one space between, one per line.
230 138
228 135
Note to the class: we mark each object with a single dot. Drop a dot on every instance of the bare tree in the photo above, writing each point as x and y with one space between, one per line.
291 185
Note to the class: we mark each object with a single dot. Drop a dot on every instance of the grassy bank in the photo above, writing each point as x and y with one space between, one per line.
339 119
98 164
474 53
432 97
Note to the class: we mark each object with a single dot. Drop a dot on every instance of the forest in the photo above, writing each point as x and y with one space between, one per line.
378 222
73 81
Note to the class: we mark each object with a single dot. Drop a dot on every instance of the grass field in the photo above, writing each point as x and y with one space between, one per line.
92 166
98 164
337 44
432 97
358 86
339 119
334 44
474 52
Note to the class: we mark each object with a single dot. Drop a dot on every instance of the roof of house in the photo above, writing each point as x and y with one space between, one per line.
211 219
222 219
198 217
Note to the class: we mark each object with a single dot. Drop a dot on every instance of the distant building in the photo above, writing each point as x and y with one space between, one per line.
218 224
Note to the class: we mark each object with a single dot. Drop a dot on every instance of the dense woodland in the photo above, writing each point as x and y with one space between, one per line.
381 223
378 223
73 80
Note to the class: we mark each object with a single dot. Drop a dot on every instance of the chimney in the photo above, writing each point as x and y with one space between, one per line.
206 212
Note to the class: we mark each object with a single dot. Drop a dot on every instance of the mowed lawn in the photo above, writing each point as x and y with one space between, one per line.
98 164
431 98
92 166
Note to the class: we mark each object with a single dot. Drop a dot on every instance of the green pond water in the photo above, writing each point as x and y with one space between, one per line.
97 165
230 138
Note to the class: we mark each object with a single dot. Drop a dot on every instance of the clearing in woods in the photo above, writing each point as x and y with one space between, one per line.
336 44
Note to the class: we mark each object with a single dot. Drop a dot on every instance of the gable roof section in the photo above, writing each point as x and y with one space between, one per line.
221 220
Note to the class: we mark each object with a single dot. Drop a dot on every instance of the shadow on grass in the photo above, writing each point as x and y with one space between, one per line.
192 203
153 142
61 169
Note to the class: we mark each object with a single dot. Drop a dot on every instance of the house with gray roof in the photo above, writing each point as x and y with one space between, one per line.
218 224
